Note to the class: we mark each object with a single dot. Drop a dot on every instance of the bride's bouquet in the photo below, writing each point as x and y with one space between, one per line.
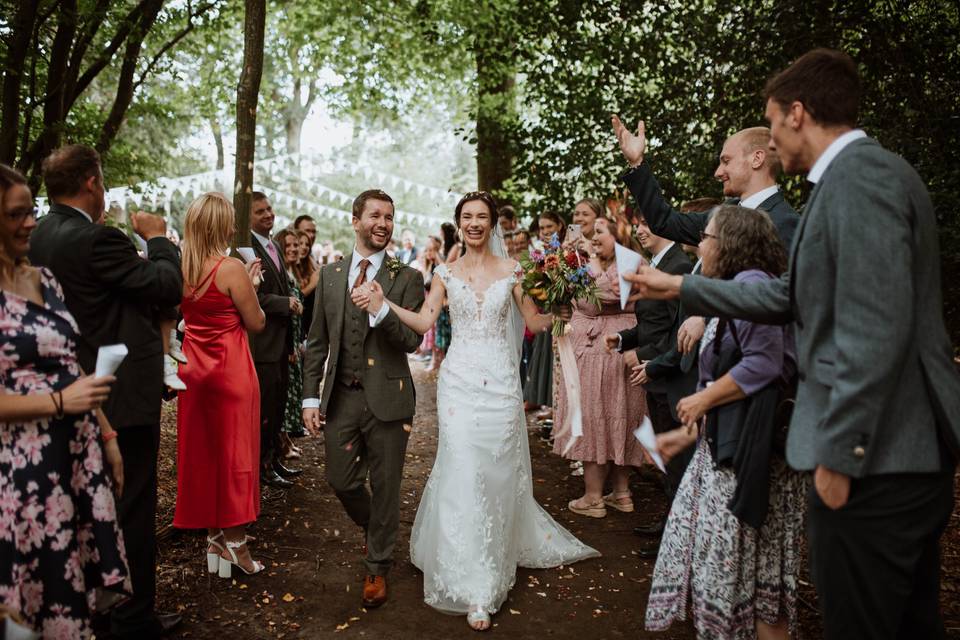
557 276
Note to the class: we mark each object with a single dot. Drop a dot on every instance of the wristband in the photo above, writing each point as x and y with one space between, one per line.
107 437
58 405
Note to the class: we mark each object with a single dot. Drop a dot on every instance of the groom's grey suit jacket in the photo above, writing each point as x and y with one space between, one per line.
386 375
878 388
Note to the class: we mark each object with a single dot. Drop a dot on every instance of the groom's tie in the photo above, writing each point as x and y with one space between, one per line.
362 276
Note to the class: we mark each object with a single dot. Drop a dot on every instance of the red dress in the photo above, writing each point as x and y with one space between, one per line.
218 416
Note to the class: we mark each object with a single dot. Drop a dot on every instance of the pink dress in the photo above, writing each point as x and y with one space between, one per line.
612 407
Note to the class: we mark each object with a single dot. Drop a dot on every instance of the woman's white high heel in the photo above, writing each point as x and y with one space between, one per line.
213 559
226 565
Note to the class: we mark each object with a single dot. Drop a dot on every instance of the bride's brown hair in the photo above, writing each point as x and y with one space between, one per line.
482 196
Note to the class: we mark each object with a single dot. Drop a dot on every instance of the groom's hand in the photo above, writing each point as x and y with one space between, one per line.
313 420
632 146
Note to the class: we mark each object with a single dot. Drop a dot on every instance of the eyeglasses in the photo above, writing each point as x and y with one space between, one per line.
704 235
19 215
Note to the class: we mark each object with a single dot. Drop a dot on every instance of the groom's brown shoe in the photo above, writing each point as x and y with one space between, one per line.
374 591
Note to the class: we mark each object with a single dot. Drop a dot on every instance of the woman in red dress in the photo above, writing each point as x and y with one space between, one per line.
218 416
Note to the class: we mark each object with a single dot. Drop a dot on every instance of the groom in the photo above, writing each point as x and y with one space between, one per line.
368 400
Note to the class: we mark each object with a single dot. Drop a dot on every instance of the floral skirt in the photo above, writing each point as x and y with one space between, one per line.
732 573
293 412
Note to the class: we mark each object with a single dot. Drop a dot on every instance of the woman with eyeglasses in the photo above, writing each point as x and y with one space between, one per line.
61 551
733 537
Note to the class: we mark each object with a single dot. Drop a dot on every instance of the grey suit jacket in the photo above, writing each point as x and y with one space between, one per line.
386 380
878 388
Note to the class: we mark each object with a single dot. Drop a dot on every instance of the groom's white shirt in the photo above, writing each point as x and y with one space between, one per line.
376 261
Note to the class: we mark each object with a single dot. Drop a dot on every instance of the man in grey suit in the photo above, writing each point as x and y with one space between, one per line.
878 406
368 399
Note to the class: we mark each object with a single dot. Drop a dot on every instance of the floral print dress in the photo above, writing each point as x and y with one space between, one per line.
59 538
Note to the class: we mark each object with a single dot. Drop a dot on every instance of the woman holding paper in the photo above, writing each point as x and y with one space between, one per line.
59 538
611 406
218 417
732 540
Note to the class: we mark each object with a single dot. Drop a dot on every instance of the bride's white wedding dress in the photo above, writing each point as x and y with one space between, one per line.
477 520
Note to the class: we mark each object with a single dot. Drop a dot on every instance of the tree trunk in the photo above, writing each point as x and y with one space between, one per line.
294 126
248 90
19 45
128 69
217 140
496 115
53 108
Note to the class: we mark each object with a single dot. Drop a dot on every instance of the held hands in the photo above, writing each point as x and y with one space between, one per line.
833 487
632 146
86 394
639 376
690 333
313 420
296 307
369 297
653 284
148 226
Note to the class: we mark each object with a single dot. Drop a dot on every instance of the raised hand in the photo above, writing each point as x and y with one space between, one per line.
632 146
86 394
653 284
147 225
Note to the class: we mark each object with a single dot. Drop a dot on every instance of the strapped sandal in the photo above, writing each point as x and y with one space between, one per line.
226 564
615 499
595 510
478 616
213 559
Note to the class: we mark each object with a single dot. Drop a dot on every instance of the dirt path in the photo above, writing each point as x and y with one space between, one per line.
313 552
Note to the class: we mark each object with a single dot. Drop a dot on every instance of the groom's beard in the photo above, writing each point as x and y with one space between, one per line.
372 243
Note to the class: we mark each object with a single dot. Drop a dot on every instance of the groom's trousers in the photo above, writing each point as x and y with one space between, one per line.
357 443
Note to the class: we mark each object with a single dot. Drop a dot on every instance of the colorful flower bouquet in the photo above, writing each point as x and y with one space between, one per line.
556 276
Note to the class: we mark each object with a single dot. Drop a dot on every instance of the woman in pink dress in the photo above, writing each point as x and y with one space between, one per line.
218 416
612 408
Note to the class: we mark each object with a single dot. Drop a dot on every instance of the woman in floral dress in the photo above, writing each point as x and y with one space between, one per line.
292 418
59 538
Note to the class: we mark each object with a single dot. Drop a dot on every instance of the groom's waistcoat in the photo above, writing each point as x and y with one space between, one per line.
355 323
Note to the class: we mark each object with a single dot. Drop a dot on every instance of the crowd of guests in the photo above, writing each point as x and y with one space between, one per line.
78 456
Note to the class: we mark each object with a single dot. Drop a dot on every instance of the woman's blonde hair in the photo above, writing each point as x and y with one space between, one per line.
8 178
207 231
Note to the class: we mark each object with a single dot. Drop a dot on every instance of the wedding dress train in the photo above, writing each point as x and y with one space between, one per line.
477 520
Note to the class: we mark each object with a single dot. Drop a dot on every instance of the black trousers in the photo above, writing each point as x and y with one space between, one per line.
273 377
876 560
137 511
659 407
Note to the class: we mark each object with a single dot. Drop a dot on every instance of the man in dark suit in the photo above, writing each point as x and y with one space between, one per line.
748 169
651 338
877 418
271 348
113 294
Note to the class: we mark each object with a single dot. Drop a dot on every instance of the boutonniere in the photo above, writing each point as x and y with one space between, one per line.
394 265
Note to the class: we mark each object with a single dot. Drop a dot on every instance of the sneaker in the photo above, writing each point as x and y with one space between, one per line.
170 377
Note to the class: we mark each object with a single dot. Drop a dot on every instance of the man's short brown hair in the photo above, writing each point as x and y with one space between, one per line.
825 81
758 138
67 168
370 194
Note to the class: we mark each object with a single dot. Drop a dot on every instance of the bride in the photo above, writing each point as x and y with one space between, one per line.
477 520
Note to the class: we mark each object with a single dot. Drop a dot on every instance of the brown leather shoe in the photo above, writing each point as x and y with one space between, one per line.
374 591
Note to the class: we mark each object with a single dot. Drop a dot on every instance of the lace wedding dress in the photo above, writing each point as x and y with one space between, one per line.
477 520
